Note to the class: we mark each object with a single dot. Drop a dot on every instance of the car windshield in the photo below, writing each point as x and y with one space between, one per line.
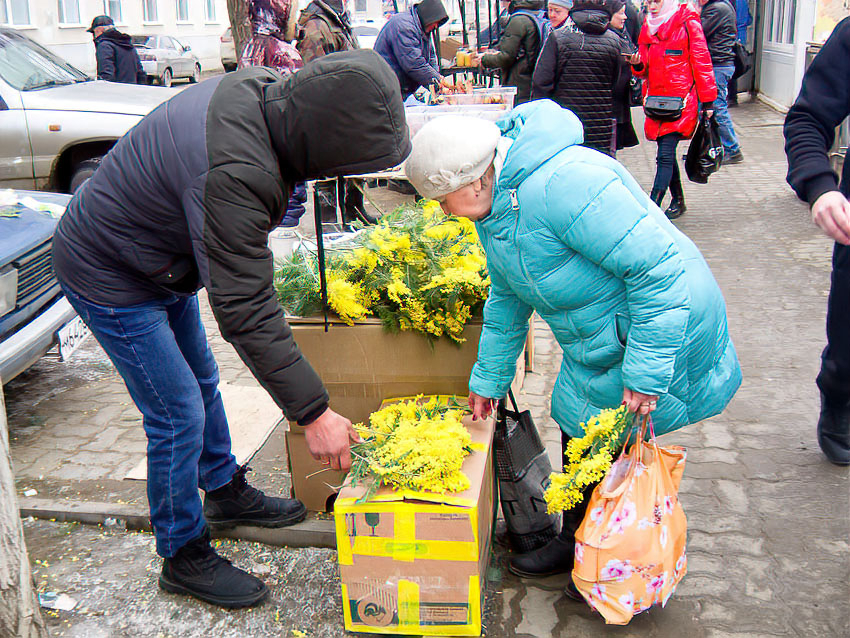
144 41
27 66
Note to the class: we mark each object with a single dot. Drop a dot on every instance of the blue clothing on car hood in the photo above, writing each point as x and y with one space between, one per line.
629 298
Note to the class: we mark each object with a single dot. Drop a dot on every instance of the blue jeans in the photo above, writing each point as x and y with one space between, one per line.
722 75
161 351
295 206
666 165
834 377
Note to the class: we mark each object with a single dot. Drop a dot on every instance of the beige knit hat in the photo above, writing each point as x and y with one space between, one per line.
450 152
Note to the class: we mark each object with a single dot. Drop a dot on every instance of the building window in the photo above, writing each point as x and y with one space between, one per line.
14 12
780 21
69 11
150 11
182 10
209 10
112 8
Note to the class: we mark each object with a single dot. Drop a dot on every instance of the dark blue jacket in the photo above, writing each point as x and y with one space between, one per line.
407 49
822 105
117 60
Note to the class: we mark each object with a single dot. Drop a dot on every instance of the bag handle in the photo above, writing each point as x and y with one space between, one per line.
636 457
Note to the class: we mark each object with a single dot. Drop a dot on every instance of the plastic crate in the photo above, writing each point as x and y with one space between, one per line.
503 96
418 116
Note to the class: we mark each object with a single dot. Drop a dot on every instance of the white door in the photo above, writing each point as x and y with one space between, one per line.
16 169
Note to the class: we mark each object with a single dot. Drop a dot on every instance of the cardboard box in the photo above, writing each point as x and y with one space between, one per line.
415 562
362 366
449 47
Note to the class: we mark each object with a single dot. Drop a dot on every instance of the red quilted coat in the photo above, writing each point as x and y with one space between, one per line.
675 63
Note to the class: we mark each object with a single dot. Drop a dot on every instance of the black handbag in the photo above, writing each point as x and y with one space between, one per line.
742 60
706 150
522 469
635 91
663 109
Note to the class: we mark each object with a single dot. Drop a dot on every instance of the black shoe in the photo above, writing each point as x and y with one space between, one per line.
676 209
196 570
834 431
733 158
237 503
573 592
555 557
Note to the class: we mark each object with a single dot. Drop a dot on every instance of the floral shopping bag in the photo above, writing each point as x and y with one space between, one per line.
630 547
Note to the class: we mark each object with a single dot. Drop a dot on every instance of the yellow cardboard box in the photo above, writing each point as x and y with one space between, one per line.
415 562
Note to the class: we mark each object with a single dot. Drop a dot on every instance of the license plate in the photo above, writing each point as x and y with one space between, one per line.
71 336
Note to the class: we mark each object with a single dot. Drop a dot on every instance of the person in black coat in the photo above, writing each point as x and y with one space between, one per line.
624 22
117 59
823 103
578 68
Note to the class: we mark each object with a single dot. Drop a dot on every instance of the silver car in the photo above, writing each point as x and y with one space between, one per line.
165 58
56 123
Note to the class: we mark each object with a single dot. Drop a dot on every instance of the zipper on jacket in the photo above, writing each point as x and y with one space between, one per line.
514 199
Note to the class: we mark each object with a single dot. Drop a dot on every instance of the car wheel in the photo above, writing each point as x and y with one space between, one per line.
82 172
196 75
165 80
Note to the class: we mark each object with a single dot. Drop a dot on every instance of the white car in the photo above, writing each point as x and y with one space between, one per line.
228 51
165 58
367 31
55 121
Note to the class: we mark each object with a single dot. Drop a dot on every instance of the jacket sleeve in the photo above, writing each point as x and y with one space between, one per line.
236 267
315 42
544 78
596 215
700 61
502 338
408 51
824 101
509 45
141 76
105 55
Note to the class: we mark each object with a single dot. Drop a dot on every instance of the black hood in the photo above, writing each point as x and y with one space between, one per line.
115 36
342 114
591 16
431 11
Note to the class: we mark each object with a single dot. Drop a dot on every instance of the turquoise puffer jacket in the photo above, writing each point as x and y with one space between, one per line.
629 298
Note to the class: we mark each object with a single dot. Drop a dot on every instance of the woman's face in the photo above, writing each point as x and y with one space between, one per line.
474 200
654 6
557 15
618 20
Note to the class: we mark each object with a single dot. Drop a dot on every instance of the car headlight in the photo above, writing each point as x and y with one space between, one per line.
8 290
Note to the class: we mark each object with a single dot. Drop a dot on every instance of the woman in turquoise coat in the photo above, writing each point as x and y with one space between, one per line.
570 234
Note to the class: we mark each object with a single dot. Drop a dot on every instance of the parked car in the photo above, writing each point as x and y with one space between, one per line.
228 51
34 315
165 58
367 31
56 123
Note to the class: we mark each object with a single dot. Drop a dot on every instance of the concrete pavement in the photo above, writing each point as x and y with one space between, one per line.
769 518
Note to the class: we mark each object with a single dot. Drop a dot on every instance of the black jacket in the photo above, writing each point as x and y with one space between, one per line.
578 69
117 59
823 103
188 196
721 31
519 47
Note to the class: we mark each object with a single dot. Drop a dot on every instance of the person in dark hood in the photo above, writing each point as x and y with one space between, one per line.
578 69
405 43
519 47
324 27
186 199
117 59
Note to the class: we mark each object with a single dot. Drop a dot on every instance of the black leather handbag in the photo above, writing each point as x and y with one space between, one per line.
663 109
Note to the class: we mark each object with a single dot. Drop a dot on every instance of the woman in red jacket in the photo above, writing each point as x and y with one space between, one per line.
674 62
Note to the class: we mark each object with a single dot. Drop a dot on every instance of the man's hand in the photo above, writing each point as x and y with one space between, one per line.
831 211
329 438
638 402
481 406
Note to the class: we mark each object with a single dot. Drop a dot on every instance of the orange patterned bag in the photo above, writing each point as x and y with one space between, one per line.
630 547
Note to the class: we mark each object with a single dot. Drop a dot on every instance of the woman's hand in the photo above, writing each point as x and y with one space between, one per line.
638 402
633 59
481 406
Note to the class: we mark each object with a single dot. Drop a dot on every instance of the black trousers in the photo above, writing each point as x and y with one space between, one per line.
834 377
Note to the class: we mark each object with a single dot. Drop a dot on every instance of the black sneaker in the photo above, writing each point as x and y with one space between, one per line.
196 570
237 503
733 158
555 557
